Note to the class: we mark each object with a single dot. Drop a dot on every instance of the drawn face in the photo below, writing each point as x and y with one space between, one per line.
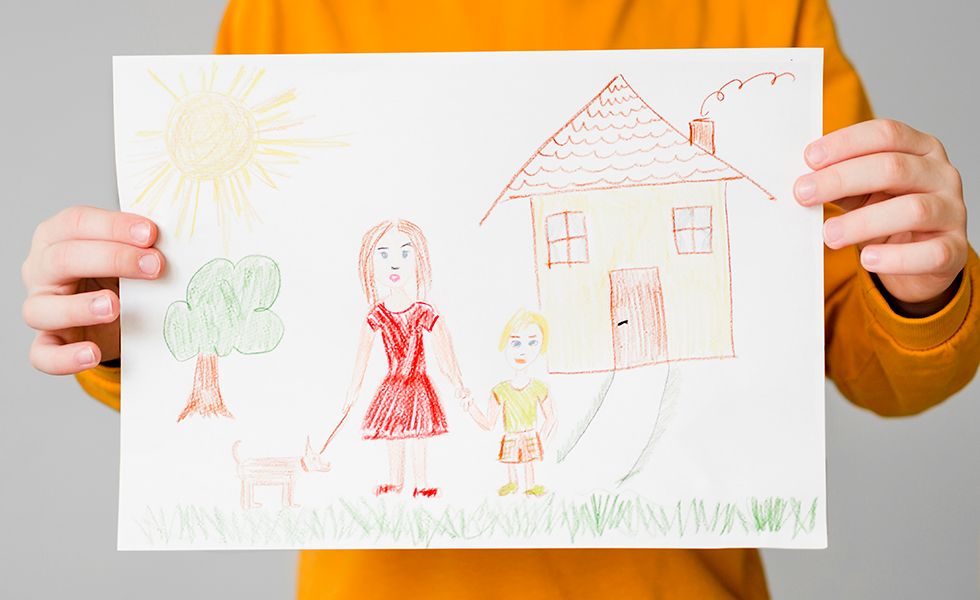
523 347
394 260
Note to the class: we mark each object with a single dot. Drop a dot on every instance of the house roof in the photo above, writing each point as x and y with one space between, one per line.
615 141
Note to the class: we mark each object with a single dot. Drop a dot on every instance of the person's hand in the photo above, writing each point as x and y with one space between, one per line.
72 278
464 397
902 201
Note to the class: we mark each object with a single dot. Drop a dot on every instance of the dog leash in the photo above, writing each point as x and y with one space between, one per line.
337 428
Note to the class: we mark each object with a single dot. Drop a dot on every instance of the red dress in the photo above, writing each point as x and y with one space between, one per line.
406 404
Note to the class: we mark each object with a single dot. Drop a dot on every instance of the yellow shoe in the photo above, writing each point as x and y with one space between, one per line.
506 490
536 491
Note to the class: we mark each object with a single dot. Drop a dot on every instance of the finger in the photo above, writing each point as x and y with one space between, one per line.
69 261
942 255
89 223
911 213
49 354
870 137
50 312
891 173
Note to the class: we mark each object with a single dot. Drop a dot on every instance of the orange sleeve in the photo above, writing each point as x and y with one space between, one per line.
879 360
102 383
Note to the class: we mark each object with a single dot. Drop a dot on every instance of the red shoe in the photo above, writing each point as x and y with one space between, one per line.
388 488
426 493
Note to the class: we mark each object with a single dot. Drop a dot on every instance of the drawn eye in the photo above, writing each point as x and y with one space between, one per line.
533 343
384 254
515 344
404 253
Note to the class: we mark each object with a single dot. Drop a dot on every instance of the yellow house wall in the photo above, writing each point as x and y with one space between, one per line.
633 228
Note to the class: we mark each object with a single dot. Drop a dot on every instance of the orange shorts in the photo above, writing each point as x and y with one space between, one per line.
520 447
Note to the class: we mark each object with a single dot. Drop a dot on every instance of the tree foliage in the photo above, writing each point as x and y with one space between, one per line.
227 308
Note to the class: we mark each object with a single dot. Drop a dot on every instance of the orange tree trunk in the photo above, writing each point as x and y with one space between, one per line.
205 398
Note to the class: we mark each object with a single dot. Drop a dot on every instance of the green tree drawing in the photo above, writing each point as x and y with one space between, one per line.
227 308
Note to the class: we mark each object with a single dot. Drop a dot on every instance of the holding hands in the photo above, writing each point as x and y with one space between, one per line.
903 207
72 278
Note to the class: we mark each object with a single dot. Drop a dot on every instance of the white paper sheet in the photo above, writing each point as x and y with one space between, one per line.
679 401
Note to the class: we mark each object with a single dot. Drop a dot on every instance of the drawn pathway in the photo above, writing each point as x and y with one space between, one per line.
614 439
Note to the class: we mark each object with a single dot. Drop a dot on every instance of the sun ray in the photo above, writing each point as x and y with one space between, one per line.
214 72
305 142
154 198
165 169
204 80
238 78
183 206
275 101
163 84
183 84
180 184
279 153
255 81
197 197
148 133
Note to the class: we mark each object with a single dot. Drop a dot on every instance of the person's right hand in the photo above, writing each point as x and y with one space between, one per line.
72 279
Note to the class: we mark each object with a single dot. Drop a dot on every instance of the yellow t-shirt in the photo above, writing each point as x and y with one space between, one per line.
520 406
879 360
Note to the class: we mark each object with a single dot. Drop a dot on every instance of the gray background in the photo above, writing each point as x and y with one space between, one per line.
903 494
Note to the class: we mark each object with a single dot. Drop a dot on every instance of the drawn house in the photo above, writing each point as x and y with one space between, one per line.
631 243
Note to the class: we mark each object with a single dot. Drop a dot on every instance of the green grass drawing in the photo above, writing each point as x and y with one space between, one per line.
561 519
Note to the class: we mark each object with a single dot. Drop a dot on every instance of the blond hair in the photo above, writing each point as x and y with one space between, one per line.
423 268
521 320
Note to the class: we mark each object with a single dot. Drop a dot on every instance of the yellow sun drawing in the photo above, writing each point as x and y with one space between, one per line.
216 140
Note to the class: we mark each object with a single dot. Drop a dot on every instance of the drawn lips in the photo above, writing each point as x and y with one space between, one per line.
394 278
520 361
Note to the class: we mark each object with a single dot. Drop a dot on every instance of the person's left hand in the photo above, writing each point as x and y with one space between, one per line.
902 201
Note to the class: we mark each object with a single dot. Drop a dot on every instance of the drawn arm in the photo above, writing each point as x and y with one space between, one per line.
364 343
488 420
446 358
550 419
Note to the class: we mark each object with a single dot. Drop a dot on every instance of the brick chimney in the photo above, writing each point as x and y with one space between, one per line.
703 134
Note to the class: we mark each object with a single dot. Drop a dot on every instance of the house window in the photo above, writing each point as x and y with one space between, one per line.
692 230
566 238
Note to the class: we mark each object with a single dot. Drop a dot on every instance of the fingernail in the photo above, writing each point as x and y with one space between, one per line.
816 154
832 230
85 357
869 257
150 264
102 306
140 232
805 189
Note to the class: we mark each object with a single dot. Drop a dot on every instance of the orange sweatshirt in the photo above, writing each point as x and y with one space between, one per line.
879 360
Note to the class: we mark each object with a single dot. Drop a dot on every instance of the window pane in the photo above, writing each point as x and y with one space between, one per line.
579 250
682 218
558 252
556 227
702 240
576 224
702 216
685 243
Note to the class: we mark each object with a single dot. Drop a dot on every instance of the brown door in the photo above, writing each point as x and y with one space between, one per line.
639 329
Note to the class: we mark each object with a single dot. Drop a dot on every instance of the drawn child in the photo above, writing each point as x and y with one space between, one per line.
395 276
525 337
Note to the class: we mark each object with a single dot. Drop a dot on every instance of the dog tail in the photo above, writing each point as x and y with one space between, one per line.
234 452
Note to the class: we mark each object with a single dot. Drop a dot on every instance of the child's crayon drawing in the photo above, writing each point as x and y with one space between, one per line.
227 307
636 320
519 398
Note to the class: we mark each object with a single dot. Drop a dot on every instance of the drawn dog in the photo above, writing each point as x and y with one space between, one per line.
281 471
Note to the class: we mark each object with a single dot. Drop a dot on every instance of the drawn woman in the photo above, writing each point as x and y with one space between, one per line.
406 411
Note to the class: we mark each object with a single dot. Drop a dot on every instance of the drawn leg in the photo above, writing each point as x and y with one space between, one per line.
419 448
396 469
